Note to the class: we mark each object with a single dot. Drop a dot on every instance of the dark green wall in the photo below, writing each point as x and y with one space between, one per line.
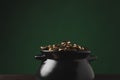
27 25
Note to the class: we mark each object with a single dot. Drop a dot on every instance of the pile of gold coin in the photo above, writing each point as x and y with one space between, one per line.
63 46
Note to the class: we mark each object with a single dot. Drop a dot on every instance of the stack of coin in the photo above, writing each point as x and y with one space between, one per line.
64 46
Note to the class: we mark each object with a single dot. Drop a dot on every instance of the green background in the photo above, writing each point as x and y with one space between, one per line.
27 25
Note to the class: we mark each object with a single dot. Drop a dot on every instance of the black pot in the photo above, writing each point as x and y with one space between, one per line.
65 66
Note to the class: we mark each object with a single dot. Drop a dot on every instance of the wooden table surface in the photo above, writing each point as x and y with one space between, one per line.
32 77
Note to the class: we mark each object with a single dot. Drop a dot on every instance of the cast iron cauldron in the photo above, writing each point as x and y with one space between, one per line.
66 65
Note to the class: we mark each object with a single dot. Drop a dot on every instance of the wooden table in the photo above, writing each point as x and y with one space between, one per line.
17 77
32 77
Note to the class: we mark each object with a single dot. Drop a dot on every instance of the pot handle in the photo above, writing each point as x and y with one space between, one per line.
40 57
91 58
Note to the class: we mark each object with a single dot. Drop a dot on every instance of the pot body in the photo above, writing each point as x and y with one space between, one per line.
79 69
